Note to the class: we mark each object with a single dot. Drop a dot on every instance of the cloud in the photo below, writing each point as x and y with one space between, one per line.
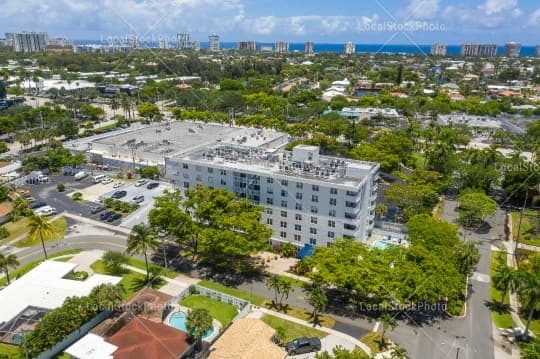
422 9
491 7
534 18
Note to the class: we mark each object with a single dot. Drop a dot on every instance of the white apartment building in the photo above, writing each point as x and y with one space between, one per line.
213 42
350 48
309 198
29 41
438 50
281 47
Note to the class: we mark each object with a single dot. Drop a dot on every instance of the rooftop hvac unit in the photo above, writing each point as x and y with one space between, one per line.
191 130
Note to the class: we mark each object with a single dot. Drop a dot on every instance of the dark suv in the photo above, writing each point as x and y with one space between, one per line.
303 345
103 216
152 185
119 194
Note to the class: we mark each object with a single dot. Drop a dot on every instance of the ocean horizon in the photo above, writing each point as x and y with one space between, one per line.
336 47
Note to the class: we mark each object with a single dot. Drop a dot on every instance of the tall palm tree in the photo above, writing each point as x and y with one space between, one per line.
6 262
399 353
40 228
467 258
142 239
198 322
529 289
20 205
388 322
318 299
114 105
506 280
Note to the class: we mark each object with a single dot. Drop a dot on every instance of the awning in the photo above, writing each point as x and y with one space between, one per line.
307 251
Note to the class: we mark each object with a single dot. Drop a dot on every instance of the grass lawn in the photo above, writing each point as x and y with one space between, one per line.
501 319
221 311
141 265
59 227
234 292
529 226
301 313
65 259
16 229
373 341
292 330
131 281
9 351
28 267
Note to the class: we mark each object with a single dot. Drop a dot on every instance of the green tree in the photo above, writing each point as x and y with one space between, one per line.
288 249
40 229
531 350
388 322
198 322
150 172
318 299
506 279
380 210
281 287
94 113
231 85
529 289
140 241
475 207
467 256
4 147
149 111
342 353
6 262
67 127
114 262
399 353
3 91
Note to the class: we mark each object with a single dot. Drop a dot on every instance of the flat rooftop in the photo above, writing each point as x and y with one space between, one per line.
46 287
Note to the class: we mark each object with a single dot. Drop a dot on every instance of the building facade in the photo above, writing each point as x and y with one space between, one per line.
308 198
350 48
213 42
512 49
281 47
537 52
184 42
479 50
308 48
247 46
29 41
438 50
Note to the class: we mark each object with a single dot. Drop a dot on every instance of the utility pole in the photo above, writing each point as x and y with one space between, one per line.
519 227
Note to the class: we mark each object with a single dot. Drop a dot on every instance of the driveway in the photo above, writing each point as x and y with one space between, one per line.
327 344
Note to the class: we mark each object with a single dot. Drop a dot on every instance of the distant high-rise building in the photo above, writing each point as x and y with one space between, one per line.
163 44
350 48
512 49
308 49
281 47
9 39
537 52
479 50
183 40
247 45
438 50
59 42
29 41
213 42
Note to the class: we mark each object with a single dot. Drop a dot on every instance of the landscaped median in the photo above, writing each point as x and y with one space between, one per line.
59 226
501 315
287 330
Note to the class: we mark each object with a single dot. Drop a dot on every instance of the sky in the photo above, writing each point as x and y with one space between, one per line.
322 21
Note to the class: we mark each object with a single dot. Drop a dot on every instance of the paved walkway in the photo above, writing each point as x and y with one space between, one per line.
85 259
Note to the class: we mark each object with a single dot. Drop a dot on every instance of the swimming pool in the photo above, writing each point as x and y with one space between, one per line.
382 245
178 321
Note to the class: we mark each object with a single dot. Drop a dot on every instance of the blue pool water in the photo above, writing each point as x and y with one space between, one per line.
382 245
178 321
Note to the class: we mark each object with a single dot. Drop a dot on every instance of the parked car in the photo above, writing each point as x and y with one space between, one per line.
113 217
140 182
37 204
107 180
45 211
80 175
138 199
96 209
119 194
118 185
303 345
103 216
152 185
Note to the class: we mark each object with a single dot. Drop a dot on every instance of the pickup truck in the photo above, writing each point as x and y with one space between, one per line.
303 345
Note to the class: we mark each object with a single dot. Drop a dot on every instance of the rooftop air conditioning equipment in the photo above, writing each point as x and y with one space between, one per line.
191 130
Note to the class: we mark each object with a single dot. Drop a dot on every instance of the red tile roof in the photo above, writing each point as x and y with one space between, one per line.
144 339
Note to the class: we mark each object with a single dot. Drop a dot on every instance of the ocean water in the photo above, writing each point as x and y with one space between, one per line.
360 48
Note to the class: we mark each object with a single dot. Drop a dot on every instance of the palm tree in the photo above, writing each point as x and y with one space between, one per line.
387 322
20 205
274 283
505 279
467 257
140 241
6 262
109 296
529 288
199 322
40 228
399 353
114 105
318 300
381 210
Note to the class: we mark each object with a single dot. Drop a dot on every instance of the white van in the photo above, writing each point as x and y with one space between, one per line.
99 178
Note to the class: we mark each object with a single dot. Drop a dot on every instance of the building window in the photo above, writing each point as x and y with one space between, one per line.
269 180
223 182
313 241
269 221
314 209
351 193
313 230
210 170
298 206
283 193
297 227
186 184
198 178
314 198
185 175
350 204
210 180
298 217
331 234
297 237
333 201
299 185
269 190
314 220
333 190
284 182
283 224
223 172
283 214
299 195
283 234
332 224
315 188
185 166
332 213
270 201
284 204
269 211
198 168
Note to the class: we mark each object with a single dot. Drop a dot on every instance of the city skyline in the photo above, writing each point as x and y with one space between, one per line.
385 21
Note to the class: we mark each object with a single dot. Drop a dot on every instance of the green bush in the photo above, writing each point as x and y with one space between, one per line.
193 290
77 196
108 202
60 187
4 233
